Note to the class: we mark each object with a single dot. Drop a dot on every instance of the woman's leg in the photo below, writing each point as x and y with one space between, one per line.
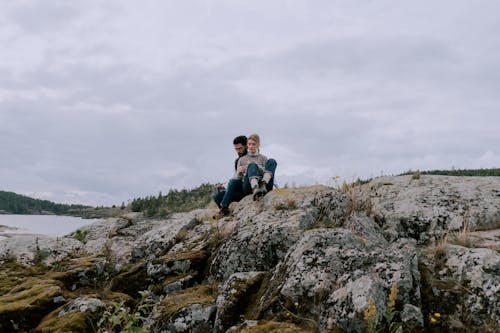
251 180
269 171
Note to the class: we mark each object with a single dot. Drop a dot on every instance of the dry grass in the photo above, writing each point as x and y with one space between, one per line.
357 202
287 205
439 247
463 237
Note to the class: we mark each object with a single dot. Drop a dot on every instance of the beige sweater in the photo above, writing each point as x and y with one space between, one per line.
258 159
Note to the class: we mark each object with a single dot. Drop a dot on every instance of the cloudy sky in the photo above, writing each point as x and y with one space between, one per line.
104 101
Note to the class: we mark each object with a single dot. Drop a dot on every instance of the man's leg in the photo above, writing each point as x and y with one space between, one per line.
218 197
234 192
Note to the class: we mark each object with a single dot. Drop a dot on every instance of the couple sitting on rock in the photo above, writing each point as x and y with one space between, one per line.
254 174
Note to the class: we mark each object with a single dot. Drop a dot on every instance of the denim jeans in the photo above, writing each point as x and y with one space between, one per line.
218 197
234 192
253 171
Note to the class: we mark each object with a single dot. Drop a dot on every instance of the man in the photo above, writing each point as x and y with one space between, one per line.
240 146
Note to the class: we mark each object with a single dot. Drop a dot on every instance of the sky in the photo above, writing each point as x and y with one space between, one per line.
105 101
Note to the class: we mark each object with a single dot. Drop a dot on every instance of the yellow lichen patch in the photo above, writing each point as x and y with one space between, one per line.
272 327
202 294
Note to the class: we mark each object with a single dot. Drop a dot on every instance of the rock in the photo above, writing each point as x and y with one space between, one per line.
412 318
235 295
463 287
24 305
265 232
298 260
78 315
178 263
33 249
178 282
477 272
80 272
432 205
190 310
128 239
331 274
159 240
131 280
254 326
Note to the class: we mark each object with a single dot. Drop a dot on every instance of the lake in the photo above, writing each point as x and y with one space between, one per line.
51 225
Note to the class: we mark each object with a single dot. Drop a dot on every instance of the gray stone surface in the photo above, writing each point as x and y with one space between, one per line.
314 255
425 207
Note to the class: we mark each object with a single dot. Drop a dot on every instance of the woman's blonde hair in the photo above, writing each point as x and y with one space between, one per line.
254 137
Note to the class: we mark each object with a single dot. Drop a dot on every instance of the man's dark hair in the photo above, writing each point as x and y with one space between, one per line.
240 139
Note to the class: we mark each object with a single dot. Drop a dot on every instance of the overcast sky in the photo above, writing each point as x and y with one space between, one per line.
104 101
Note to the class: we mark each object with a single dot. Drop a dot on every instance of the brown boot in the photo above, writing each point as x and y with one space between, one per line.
224 211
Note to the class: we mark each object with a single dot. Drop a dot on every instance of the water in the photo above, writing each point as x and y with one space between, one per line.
51 225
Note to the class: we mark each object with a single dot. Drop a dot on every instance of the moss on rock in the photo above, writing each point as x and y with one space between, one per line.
71 322
270 327
132 281
196 260
202 294
77 272
24 305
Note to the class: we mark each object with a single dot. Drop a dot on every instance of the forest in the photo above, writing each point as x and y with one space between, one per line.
13 203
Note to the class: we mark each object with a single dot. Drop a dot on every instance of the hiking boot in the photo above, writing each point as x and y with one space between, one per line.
224 211
259 192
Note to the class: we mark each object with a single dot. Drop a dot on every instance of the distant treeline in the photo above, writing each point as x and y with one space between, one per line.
459 172
174 201
12 203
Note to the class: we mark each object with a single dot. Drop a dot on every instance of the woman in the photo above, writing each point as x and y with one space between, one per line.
256 170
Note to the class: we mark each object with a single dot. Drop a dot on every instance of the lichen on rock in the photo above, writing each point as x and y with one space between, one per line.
398 254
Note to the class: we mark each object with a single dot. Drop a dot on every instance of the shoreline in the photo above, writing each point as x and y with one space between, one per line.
4 228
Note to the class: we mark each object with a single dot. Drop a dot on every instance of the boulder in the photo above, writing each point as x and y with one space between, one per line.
463 287
189 310
79 315
266 230
331 275
24 305
432 205
234 296
36 249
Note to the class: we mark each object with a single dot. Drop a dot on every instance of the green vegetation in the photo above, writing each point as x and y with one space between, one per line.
174 201
457 172
12 203
118 317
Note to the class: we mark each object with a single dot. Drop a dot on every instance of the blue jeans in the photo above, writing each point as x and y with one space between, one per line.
234 192
218 197
253 171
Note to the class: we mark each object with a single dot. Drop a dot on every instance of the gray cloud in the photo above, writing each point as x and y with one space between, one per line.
100 103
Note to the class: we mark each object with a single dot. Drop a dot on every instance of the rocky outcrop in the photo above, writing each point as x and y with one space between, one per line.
429 206
396 254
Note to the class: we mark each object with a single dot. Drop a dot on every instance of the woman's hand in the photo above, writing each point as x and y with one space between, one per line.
242 169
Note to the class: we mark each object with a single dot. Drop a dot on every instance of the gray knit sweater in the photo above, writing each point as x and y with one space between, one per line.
258 159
